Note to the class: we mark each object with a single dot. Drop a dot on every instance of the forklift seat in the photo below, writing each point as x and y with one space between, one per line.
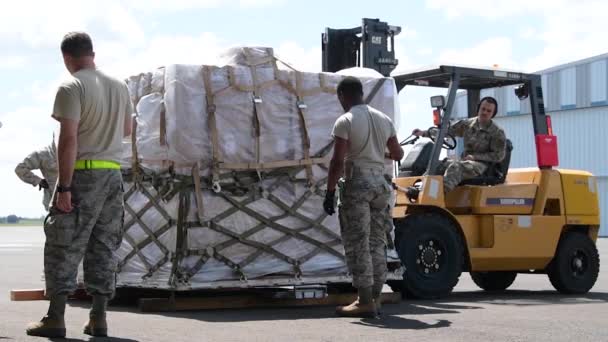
417 160
496 173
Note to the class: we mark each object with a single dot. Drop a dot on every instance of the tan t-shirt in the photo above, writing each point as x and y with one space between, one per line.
367 131
99 103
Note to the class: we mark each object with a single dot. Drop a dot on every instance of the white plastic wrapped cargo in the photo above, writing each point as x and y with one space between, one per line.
263 133
147 95
281 133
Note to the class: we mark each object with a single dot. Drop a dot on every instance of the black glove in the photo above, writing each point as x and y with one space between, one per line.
328 203
43 185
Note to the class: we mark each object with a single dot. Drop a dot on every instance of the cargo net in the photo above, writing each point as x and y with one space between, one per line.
224 172
251 229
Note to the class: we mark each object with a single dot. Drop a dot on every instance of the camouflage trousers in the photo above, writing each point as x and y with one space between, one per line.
455 171
93 231
365 220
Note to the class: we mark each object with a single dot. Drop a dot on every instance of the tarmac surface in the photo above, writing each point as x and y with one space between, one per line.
529 311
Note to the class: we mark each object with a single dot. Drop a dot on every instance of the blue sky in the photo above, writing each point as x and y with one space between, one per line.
137 35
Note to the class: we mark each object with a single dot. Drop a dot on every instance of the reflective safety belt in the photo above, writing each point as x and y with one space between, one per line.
96 164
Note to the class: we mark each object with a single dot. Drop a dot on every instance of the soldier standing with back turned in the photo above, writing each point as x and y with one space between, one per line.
361 138
86 214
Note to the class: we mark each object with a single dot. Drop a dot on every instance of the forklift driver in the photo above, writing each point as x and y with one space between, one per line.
484 144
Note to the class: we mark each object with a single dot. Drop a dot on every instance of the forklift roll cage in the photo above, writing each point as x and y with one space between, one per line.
473 80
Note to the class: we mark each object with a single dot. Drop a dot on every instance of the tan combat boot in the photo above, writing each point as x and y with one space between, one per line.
53 324
97 324
357 309
47 327
362 307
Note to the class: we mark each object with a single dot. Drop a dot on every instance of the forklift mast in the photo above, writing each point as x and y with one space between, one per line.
370 46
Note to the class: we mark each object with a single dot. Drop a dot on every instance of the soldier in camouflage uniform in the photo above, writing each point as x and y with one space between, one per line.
484 144
361 138
86 213
44 160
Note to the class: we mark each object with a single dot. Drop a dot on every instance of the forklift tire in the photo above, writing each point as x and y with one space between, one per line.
576 264
493 281
431 249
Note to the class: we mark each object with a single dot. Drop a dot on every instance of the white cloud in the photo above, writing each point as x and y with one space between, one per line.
23 130
402 49
529 33
260 3
156 5
415 109
300 58
181 5
569 30
43 23
491 52
18 198
570 33
408 33
426 51
491 9
118 58
123 23
12 62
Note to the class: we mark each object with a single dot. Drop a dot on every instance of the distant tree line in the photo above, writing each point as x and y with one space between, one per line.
12 219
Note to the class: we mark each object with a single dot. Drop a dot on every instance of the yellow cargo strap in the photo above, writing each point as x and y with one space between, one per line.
96 164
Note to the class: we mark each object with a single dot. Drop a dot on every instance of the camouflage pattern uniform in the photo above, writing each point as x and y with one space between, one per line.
44 160
100 105
364 209
487 145
93 230
365 220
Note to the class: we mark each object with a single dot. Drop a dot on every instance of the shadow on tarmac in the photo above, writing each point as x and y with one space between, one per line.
391 315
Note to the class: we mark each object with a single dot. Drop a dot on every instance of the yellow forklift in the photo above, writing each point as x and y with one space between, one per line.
508 221
535 220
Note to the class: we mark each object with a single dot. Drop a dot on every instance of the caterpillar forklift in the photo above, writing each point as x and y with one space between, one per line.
541 220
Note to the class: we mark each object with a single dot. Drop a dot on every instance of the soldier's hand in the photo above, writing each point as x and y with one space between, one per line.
469 157
43 185
328 203
64 201
417 132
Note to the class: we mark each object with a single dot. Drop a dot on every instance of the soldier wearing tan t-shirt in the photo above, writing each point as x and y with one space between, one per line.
361 137
86 213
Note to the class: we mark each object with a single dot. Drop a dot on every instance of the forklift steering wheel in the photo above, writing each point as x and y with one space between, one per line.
449 142
411 140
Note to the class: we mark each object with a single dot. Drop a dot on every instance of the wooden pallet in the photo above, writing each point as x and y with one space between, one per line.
216 301
249 301
38 294
27 294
